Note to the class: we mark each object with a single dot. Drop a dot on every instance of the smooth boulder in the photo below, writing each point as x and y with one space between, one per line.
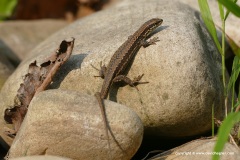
70 124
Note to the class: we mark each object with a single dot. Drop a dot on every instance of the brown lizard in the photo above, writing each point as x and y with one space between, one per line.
114 72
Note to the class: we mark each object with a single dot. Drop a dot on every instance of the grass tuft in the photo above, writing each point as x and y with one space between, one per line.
229 89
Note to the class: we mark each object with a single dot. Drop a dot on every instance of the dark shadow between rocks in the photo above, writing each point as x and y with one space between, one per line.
3 151
73 63
152 145
11 56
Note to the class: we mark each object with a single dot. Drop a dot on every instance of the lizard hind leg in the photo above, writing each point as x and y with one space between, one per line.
132 83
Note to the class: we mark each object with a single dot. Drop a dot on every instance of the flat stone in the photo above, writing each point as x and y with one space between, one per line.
70 124
183 69
199 150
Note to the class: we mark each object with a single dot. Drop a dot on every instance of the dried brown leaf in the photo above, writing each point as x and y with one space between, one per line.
36 80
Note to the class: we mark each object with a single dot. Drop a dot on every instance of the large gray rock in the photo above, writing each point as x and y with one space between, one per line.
199 150
70 124
183 68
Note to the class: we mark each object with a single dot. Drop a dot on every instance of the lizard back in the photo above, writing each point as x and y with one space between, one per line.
123 56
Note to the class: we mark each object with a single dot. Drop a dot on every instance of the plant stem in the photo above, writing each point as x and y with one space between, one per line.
233 91
223 57
213 125
223 66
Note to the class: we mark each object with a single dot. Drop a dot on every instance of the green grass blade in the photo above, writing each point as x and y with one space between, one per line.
224 131
234 46
6 8
231 84
238 99
231 6
237 104
235 1
213 125
235 72
221 11
236 62
207 18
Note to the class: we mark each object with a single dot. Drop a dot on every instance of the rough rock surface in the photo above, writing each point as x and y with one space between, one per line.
199 150
70 124
45 157
183 68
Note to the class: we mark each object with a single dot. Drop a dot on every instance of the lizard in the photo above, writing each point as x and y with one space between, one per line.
114 72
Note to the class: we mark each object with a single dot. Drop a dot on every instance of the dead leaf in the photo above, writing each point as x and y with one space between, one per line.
36 80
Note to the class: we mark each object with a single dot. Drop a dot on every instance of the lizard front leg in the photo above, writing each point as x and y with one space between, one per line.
152 41
102 70
132 83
